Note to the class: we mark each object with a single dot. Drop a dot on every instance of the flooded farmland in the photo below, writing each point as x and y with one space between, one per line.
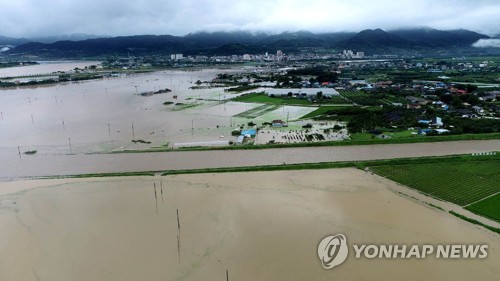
107 114
63 122
82 112
265 229
250 226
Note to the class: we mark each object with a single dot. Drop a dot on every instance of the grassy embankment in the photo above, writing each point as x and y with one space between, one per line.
309 166
343 164
101 175
494 229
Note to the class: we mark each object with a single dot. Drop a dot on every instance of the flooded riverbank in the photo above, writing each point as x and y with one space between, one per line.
44 68
265 229
13 166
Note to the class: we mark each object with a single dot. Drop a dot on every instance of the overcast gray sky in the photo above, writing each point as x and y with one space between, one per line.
30 18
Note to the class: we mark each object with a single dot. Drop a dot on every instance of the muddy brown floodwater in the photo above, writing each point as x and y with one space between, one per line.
45 67
105 115
48 165
258 226
98 115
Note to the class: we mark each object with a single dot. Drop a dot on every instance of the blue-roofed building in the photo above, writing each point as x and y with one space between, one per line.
251 132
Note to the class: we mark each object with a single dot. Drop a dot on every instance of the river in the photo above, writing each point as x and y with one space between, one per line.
12 166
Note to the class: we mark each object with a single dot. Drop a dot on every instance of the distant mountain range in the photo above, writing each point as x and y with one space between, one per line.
7 41
228 43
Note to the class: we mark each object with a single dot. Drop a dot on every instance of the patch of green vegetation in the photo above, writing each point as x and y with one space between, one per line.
288 100
432 205
102 175
333 100
387 135
390 99
141 141
376 120
475 125
348 113
153 149
263 168
253 97
183 106
494 229
243 88
321 111
479 77
460 183
403 134
464 158
343 164
359 97
489 207
362 137
263 98
257 111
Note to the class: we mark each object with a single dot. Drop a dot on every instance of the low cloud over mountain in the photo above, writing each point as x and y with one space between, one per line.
487 43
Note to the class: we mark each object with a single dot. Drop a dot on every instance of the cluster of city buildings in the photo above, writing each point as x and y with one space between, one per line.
269 57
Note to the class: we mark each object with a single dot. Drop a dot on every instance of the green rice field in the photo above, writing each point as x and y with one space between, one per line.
263 98
489 207
461 183
322 110
359 97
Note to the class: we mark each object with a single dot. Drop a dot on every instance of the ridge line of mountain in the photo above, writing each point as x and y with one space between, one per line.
226 43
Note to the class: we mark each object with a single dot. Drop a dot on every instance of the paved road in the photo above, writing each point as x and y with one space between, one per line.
45 165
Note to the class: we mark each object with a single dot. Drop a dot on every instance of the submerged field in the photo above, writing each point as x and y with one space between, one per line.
256 225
